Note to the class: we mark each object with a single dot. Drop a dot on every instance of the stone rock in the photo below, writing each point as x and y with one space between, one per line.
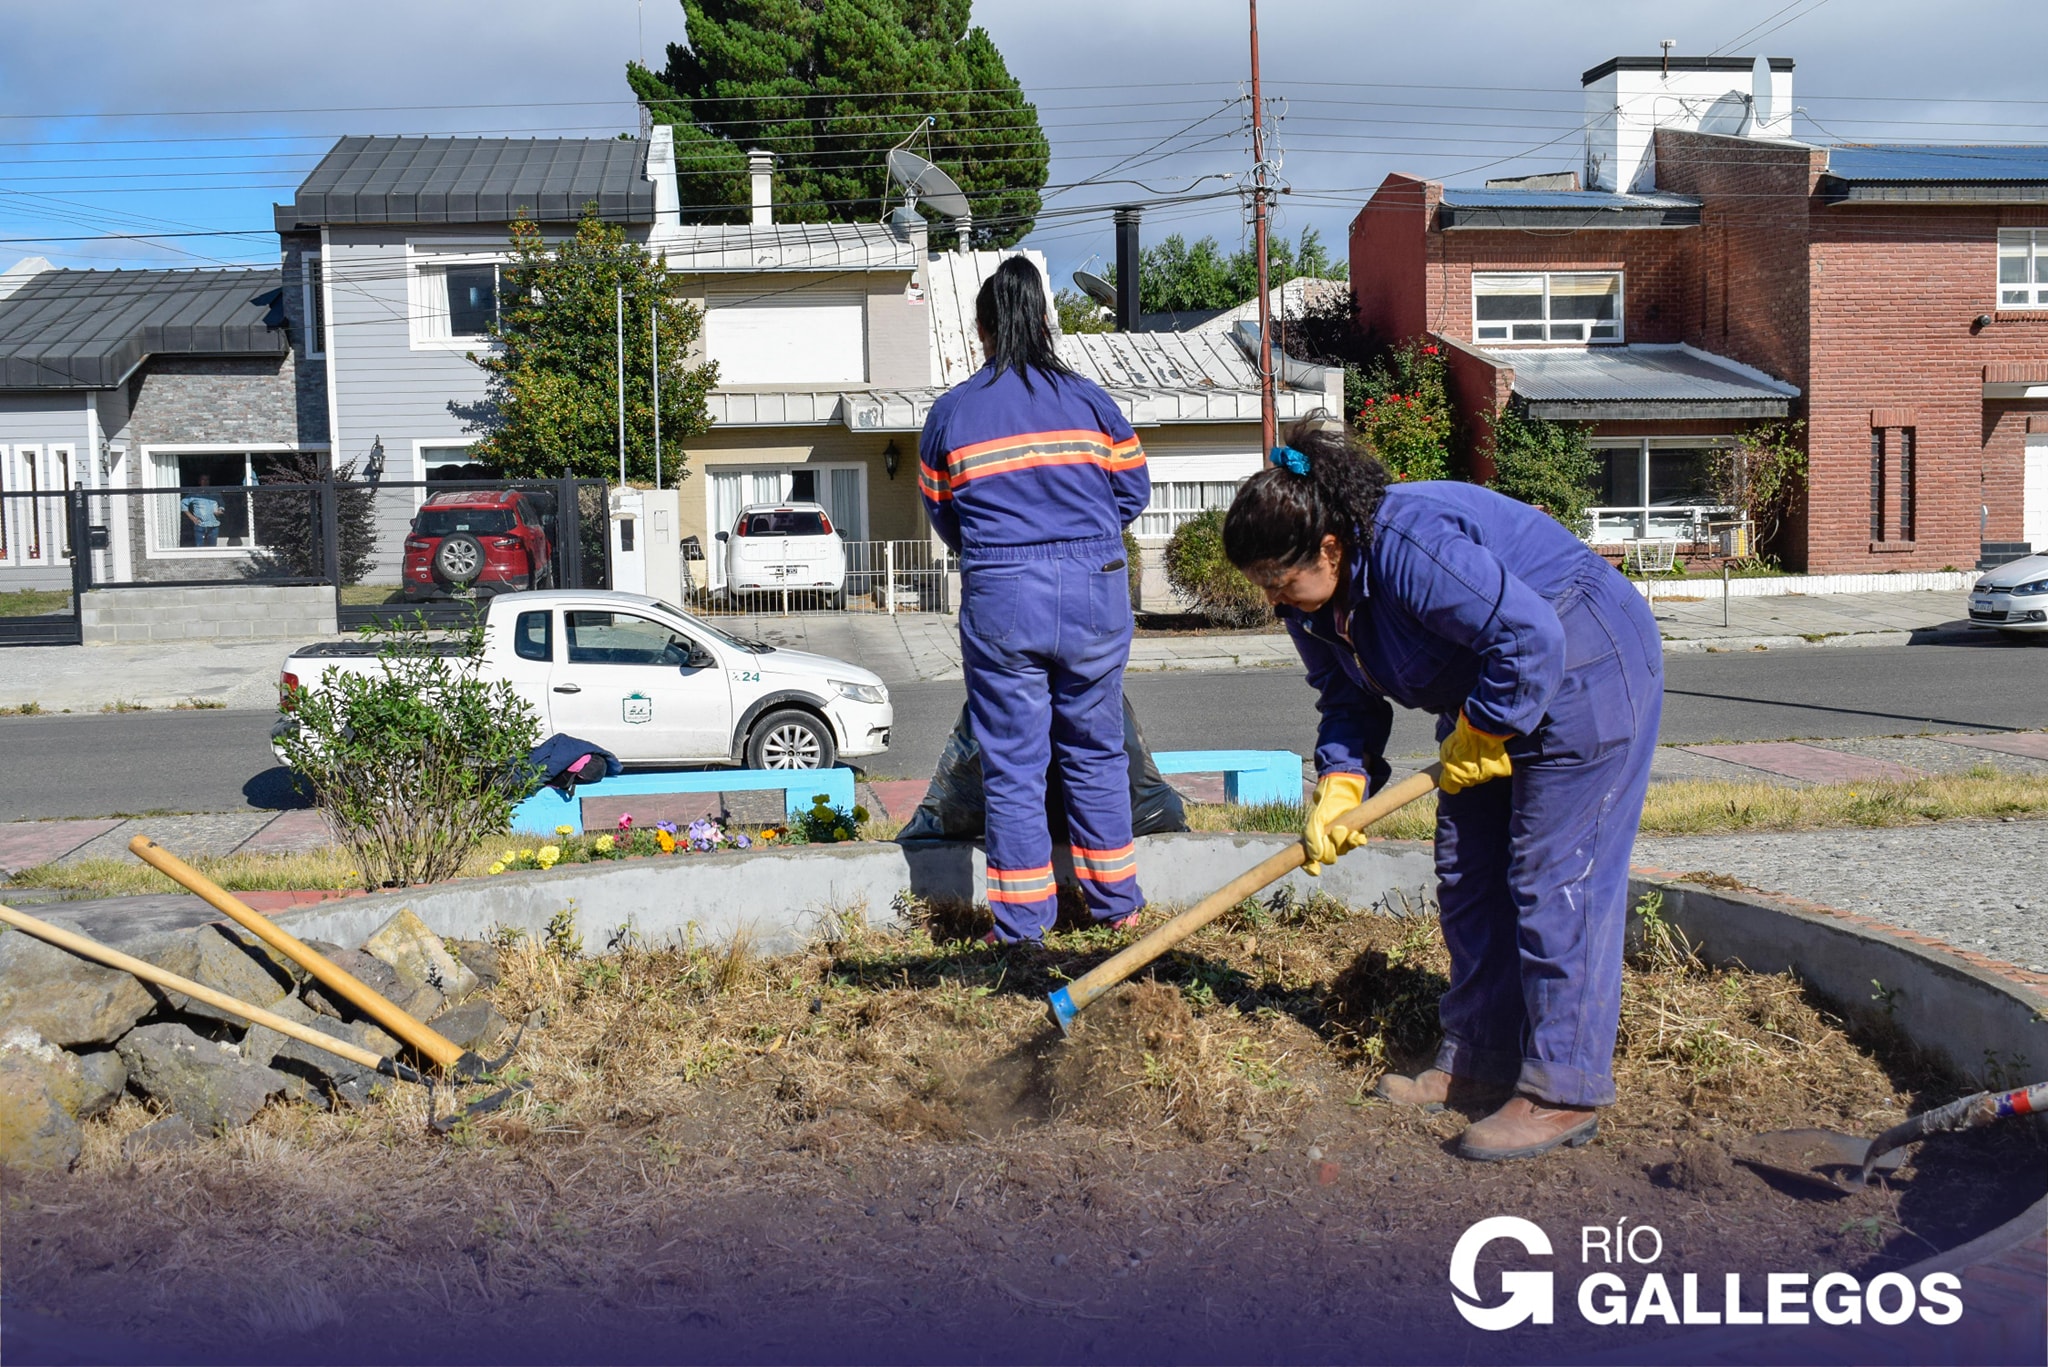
417 956
482 958
206 1081
374 974
475 1025
226 959
40 1093
67 1000
312 1074
160 1136
105 1077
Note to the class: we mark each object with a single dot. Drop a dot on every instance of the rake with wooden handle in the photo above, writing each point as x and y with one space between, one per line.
431 1044
1071 1000
164 978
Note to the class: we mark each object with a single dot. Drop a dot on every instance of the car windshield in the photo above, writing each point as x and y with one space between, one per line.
783 522
475 521
698 624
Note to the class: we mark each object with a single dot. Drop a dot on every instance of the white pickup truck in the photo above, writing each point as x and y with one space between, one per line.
652 684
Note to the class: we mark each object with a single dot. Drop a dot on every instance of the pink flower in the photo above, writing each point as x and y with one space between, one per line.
625 821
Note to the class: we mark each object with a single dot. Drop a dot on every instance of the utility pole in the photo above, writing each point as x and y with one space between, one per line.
1267 419
654 344
622 385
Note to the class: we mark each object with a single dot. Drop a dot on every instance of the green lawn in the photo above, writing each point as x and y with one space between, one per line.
34 602
370 595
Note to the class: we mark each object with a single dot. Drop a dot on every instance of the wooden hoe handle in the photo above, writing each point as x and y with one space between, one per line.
372 1003
1069 1001
150 973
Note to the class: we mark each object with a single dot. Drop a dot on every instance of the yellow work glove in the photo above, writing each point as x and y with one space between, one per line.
1336 794
1471 757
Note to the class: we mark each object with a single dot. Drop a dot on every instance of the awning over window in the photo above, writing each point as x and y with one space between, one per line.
1640 383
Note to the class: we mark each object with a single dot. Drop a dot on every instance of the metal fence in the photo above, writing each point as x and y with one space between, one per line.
39 578
879 577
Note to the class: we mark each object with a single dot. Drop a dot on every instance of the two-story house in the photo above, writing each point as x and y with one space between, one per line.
1703 271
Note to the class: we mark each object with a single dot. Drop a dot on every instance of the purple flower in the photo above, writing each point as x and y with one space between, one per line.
705 834
740 841
668 826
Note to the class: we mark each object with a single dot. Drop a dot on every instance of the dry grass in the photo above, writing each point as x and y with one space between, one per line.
1712 807
125 876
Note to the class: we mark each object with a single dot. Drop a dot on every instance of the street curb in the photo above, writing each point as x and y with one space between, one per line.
1711 645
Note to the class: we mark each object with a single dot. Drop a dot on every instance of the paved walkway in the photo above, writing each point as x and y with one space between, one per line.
913 647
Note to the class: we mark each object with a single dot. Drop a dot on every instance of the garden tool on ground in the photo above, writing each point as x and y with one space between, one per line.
354 1053
1069 1001
1843 1163
449 1056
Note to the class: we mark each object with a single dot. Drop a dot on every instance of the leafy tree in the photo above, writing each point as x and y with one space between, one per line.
1762 476
288 529
552 393
830 86
1549 464
1079 313
1177 276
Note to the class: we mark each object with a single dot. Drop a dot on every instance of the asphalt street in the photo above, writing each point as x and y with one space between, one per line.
220 761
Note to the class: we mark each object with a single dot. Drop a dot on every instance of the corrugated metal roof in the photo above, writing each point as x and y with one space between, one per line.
1905 163
1292 299
472 180
715 248
67 329
1675 374
1485 197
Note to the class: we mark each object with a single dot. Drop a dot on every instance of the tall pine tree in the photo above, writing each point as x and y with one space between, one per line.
830 86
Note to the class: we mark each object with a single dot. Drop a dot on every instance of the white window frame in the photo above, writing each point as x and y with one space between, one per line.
36 522
313 305
1619 338
421 444
2036 288
1171 508
714 549
155 510
427 265
1646 520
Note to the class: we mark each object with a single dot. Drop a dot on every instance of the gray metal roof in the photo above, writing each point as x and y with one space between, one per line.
1641 382
68 329
714 248
1502 207
473 180
1898 172
1678 63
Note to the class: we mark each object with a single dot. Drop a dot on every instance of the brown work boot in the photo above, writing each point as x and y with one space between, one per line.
1432 1089
1525 1127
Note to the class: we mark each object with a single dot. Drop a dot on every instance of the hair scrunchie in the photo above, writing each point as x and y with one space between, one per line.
1291 460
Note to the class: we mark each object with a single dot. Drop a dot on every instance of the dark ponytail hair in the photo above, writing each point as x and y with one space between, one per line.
1012 311
1280 518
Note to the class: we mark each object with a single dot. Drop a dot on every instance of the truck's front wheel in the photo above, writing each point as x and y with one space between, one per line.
791 739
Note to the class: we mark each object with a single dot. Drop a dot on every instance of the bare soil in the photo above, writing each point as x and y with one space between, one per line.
879 1151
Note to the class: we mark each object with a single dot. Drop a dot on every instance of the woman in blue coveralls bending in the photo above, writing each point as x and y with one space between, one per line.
1030 473
1546 674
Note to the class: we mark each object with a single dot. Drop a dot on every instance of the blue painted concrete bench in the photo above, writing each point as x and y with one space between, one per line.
547 809
1249 776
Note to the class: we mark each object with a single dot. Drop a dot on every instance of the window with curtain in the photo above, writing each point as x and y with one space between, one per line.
212 487
1175 503
1552 306
2023 268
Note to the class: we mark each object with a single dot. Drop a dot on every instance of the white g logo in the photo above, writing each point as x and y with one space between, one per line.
1528 1293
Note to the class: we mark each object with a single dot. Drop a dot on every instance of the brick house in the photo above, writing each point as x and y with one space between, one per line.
1704 272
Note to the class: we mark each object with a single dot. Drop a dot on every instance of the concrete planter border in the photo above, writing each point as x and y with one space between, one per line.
1933 581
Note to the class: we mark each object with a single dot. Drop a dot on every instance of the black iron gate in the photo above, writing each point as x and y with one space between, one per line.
42 577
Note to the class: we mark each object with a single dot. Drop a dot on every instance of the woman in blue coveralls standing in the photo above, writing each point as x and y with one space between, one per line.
1546 673
1030 473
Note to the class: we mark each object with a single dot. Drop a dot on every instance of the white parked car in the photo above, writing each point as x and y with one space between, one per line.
2013 597
788 546
652 684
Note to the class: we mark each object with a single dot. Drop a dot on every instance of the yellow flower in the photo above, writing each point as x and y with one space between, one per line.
507 857
565 831
666 841
547 854
841 833
604 844
498 867
526 854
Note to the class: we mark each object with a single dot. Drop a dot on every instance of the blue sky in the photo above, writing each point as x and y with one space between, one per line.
185 121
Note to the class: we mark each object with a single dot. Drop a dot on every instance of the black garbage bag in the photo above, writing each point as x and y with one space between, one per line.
955 809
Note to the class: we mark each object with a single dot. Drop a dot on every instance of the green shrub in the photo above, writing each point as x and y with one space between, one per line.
415 762
1134 567
1549 464
1199 571
1404 413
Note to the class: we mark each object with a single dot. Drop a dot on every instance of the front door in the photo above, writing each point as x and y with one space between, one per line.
626 682
2034 498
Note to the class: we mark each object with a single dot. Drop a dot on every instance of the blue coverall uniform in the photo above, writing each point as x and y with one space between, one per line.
1465 598
1033 488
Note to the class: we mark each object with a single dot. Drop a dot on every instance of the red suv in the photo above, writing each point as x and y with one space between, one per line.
490 540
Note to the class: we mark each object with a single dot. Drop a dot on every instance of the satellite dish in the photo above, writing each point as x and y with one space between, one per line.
925 182
1096 288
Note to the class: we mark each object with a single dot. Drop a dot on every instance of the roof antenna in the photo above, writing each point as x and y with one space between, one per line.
921 179
1667 44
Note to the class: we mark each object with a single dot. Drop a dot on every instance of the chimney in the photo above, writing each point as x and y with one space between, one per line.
661 171
1127 270
761 170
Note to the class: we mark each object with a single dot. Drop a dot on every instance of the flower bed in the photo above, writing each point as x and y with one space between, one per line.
821 824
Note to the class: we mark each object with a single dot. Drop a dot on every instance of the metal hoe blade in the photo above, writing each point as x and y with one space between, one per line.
1820 1158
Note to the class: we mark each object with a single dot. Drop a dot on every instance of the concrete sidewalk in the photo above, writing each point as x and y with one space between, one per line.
921 647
